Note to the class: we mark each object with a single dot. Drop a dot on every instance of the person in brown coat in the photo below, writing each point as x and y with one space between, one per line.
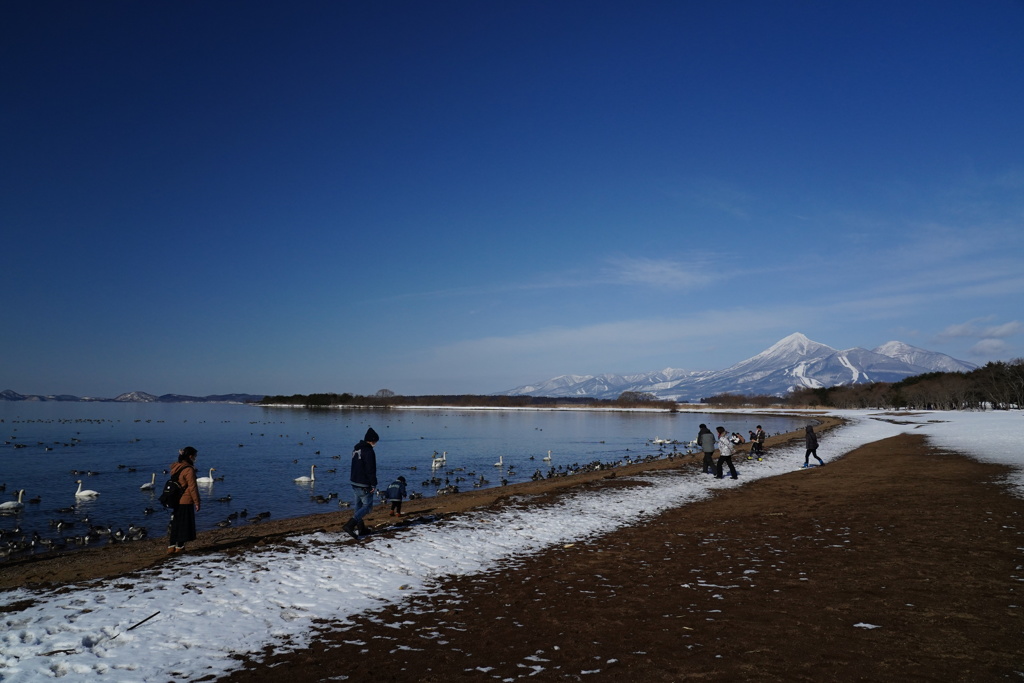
182 528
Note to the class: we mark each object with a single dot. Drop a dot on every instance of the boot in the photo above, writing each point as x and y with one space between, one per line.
350 528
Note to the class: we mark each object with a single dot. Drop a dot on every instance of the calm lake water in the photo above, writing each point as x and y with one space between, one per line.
259 451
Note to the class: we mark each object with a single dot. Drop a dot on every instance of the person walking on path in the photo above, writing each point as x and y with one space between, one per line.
706 441
725 451
757 443
812 446
182 528
395 495
364 482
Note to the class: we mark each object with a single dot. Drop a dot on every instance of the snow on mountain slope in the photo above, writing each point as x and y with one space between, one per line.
792 362
931 360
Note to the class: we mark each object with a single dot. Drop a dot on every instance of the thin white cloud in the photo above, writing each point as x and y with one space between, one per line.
723 197
988 348
653 272
960 330
1005 330
601 347
662 273
975 329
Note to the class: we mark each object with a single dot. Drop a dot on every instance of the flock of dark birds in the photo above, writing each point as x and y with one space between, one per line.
75 530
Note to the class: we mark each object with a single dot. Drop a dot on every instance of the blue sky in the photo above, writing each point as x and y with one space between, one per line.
463 197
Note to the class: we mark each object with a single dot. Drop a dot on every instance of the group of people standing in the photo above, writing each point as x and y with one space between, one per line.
725 443
363 478
725 446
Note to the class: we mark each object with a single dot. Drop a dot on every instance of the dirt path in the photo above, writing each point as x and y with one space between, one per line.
897 562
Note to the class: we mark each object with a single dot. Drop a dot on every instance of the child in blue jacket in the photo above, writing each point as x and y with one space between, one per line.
395 494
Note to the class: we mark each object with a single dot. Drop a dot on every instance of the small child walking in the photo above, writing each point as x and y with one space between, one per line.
395 494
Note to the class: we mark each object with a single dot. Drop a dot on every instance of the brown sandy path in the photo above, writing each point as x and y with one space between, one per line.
777 580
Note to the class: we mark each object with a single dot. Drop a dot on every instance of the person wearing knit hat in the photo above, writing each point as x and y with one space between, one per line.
395 494
364 482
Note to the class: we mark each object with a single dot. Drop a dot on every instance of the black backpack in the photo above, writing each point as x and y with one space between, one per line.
171 494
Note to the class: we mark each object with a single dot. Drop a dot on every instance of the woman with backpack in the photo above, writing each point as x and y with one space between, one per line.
182 528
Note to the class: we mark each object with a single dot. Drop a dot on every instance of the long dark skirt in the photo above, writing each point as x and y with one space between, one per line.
183 525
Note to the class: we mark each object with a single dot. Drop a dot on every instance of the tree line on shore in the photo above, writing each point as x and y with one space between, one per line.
385 398
998 385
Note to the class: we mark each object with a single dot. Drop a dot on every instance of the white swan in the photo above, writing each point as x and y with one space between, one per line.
208 479
310 478
13 505
439 461
86 493
149 486
547 458
500 461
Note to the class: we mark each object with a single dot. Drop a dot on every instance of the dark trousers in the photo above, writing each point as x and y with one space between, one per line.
709 461
396 506
728 461
182 528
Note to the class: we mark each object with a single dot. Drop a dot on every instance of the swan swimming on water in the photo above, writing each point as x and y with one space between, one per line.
303 480
547 458
149 485
208 479
500 462
13 505
88 493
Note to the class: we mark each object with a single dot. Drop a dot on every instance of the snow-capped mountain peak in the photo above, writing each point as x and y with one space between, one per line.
792 362
795 346
931 360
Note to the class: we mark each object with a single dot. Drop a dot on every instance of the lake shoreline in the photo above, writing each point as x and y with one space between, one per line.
112 560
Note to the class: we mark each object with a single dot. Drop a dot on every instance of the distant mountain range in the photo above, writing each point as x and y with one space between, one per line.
135 397
790 363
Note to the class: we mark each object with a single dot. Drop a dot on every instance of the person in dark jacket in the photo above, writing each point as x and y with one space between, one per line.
757 443
364 482
706 440
812 446
395 495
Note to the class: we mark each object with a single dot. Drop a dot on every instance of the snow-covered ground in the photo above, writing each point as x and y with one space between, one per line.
208 609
